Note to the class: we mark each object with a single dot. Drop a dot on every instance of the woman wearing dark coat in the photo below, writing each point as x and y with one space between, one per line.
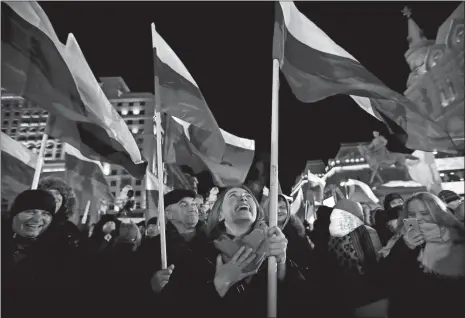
218 280
35 274
425 272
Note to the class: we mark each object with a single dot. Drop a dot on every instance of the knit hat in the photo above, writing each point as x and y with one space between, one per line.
177 195
153 220
448 196
33 200
389 198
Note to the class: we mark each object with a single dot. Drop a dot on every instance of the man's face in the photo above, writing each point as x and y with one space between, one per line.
58 198
184 212
31 223
152 230
282 211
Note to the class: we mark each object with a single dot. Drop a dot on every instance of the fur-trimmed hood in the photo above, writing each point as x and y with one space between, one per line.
68 206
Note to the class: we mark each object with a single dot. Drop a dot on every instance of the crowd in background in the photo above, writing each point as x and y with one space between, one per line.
352 261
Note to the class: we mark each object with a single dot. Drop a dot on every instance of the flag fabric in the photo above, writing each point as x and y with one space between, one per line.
316 68
18 167
359 191
425 171
38 67
230 171
181 97
152 192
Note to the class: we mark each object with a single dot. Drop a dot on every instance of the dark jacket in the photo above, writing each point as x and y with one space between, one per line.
36 273
191 285
414 293
299 249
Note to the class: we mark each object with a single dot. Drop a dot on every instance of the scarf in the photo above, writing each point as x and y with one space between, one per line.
443 252
256 239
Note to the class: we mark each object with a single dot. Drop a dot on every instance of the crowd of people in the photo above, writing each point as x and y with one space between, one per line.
347 264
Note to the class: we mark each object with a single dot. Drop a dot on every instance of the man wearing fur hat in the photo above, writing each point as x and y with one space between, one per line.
183 233
33 271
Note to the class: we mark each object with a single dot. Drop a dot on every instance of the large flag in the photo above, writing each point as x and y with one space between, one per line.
316 68
37 66
18 166
230 171
180 97
152 194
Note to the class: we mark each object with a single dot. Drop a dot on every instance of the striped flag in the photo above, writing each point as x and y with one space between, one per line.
18 166
230 171
38 67
181 97
316 68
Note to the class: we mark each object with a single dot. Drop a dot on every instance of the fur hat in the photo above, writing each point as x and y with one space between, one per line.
33 200
177 195
448 196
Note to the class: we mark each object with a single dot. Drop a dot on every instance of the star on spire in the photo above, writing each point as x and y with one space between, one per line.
407 12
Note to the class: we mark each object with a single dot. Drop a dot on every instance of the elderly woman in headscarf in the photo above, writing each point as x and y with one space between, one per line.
299 249
424 266
352 248
228 276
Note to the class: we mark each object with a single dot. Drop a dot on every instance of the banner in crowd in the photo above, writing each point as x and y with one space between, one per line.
316 68
18 166
38 67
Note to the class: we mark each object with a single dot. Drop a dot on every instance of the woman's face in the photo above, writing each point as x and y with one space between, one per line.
31 223
418 209
239 207
58 198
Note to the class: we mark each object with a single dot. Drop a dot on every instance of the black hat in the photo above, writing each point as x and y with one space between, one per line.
33 200
177 195
448 196
389 198
153 220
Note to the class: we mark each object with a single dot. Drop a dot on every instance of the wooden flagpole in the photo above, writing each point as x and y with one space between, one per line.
273 214
160 176
86 213
40 159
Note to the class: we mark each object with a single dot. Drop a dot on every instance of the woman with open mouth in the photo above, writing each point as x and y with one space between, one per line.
229 274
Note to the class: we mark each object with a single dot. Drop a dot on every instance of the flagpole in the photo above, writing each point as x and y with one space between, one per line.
273 214
86 213
161 208
40 159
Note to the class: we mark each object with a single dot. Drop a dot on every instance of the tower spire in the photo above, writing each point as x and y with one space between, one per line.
415 34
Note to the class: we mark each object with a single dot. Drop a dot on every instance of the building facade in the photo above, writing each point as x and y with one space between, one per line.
25 122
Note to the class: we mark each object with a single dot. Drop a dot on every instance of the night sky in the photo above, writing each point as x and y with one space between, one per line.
226 46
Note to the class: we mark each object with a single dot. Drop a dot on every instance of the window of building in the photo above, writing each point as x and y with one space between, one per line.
5 122
141 122
114 172
142 112
48 155
7 114
4 130
138 182
20 138
131 104
140 140
113 183
59 146
31 138
113 194
129 122
137 205
58 155
13 130
119 104
17 114
138 194
141 131
15 122
142 103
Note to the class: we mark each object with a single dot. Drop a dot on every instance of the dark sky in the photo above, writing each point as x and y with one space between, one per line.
226 46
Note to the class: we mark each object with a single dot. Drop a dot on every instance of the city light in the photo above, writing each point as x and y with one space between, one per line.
124 112
106 168
135 130
136 111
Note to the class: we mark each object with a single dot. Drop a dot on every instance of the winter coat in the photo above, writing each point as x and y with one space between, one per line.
37 273
191 291
414 293
149 256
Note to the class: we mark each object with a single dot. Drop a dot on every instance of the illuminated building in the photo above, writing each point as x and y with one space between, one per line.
25 121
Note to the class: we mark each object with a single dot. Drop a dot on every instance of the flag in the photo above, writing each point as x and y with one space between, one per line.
316 68
230 171
181 97
359 191
425 171
18 167
38 67
152 192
